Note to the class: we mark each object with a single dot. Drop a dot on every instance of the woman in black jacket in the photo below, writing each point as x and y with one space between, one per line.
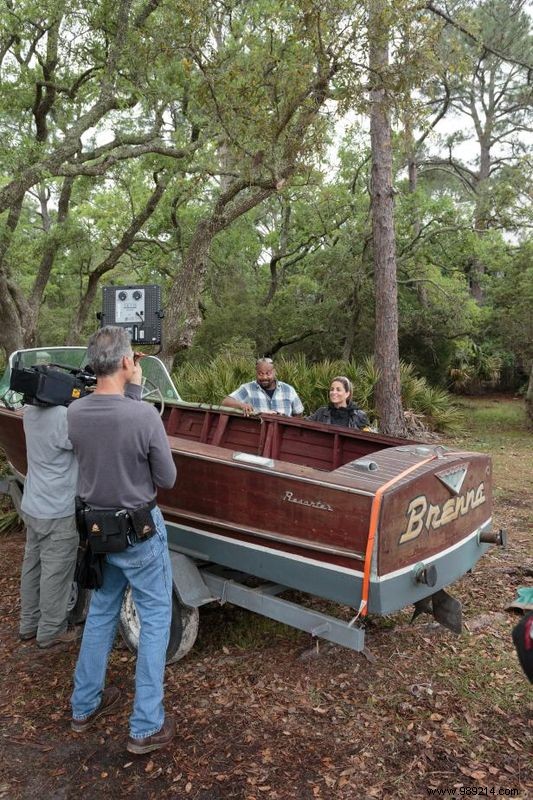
341 409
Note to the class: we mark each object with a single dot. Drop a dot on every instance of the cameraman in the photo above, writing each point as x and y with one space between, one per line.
51 536
124 455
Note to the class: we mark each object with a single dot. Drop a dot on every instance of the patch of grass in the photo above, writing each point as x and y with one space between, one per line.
231 626
497 426
484 676
494 423
315 696
495 416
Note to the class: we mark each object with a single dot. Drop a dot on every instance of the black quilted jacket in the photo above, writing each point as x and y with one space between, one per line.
356 418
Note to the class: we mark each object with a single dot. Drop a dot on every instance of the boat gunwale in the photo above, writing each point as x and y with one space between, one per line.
225 457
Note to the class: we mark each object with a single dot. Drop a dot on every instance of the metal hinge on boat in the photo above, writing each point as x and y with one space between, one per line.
424 450
363 465
249 458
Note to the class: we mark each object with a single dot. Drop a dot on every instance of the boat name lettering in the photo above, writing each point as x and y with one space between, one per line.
290 498
421 514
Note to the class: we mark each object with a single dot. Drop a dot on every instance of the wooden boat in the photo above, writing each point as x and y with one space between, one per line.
359 518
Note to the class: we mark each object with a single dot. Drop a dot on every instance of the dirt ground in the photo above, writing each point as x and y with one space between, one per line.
263 712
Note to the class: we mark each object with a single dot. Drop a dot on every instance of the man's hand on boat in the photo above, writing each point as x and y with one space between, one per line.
249 411
246 408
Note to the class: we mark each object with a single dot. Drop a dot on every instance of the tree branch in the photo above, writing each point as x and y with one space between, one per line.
291 340
445 16
126 240
425 280
122 154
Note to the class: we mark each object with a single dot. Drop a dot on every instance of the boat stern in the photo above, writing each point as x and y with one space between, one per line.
433 527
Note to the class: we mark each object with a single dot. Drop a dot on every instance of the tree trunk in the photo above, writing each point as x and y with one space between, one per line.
11 299
50 248
11 333
529 399
280 251
182 314
388 392
353 325
477 269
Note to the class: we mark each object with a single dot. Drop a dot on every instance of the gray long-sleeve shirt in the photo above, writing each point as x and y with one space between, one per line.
50 485
122 450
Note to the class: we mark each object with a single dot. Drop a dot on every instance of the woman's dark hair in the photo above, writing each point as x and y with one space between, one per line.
346 382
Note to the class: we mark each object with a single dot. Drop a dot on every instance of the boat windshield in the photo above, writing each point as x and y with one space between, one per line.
155 373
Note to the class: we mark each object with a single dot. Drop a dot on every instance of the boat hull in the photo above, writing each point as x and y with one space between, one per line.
340 584
363 531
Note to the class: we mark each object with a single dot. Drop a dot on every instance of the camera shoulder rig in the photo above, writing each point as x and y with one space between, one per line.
50 384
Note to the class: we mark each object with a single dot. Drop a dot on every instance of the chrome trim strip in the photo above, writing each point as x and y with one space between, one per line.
249 458
270 550
324 564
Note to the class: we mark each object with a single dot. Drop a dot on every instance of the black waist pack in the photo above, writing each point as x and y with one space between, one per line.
142 522
112 531
107 531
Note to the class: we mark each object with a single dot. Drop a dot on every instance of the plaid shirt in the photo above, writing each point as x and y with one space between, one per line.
283 401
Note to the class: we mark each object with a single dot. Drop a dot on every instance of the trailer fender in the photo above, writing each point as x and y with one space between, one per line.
190 586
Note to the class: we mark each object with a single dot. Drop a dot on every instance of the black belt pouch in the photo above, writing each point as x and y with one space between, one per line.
142 522
107 531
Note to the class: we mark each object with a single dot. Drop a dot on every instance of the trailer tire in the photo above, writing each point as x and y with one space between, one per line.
78 604
183 626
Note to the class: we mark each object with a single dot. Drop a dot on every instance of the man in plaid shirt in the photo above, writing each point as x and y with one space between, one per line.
265 395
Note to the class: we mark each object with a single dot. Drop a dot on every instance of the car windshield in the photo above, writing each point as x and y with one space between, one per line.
154 371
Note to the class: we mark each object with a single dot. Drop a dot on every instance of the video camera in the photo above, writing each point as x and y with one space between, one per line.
50 384
135 308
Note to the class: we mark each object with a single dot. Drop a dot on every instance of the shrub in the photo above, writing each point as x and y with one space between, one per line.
474 368
210 383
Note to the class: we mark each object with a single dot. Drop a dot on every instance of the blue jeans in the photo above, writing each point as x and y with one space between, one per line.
146 567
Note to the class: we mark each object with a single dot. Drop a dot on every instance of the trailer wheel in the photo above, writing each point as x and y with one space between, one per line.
78 604
183 626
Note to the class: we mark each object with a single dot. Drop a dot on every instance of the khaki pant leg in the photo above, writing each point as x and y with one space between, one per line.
58 544
30 580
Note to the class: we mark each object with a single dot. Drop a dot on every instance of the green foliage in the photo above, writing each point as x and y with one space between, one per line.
8 521
474 368
509 322
222 83
211 382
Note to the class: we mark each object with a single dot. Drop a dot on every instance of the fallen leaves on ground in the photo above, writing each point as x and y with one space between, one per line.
257 721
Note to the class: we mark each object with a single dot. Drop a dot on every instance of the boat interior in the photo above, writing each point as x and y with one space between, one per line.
292 440
296 441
